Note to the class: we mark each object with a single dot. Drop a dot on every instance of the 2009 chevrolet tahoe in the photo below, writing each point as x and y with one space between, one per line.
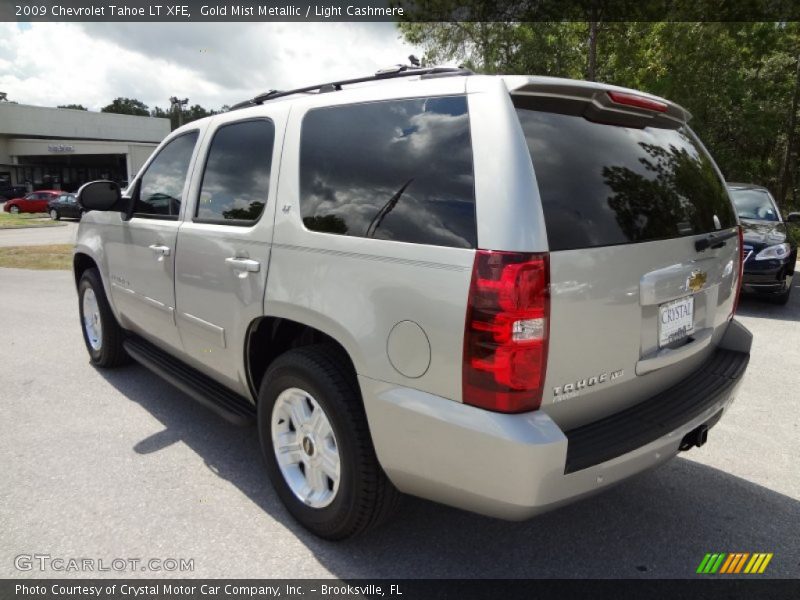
499 293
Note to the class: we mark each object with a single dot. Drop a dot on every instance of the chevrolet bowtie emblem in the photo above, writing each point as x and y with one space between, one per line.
696 281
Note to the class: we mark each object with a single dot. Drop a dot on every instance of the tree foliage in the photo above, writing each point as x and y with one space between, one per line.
127 106
188 115
73 106
131 106
739 80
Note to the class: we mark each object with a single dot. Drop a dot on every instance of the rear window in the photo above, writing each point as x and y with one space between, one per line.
603 185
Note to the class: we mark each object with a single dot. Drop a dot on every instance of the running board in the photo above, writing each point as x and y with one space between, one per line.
230 406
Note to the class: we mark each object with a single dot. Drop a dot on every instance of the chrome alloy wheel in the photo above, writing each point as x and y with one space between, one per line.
54 214
92 324
305 448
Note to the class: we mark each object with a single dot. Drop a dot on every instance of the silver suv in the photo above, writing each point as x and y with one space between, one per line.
498 293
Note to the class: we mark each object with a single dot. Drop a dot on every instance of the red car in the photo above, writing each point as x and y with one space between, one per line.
31 203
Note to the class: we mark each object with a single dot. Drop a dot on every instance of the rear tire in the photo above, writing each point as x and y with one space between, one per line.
54 214
358 496
101 333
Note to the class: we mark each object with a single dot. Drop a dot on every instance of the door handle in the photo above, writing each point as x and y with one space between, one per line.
243 264
160 249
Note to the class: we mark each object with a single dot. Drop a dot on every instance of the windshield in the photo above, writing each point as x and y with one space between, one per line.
754 204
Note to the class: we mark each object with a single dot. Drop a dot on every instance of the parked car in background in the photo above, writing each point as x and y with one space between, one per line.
65 205
35 202
770 248
11 191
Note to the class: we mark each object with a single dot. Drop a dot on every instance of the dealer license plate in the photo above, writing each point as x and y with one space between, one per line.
675 320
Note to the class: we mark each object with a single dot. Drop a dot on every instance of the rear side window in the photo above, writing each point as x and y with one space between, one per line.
603 185
236 178
161 189
397 170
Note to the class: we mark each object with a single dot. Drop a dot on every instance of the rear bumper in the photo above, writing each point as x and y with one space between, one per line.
516 466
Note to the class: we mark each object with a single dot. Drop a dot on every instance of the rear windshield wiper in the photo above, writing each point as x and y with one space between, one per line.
714 241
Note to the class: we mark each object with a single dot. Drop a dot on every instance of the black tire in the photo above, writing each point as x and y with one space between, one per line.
782 298
14 210
110 353
365 497
57 217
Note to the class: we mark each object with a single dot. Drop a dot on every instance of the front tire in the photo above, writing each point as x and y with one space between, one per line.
783 297
317 447
54 214
101 333
14 210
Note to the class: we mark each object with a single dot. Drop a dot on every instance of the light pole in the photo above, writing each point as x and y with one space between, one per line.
178 104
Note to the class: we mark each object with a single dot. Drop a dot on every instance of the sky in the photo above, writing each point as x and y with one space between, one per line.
212 64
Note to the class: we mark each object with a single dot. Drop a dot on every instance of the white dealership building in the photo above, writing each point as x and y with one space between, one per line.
57 148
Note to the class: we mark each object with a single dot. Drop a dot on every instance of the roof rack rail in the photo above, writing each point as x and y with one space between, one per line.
388 73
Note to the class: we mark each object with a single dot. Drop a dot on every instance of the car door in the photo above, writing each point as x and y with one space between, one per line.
40 202
224 243
31 203
68 206
141 256
71 208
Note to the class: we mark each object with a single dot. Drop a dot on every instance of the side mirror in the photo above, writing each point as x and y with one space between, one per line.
793 217
100 195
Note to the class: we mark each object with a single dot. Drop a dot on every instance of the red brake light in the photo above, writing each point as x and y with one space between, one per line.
637 101
740 272
506 333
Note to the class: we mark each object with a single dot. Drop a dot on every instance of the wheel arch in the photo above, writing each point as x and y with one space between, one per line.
85 257
270 336
81 262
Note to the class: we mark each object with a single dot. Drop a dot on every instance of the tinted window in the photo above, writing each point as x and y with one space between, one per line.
161 187
604 184
398 170
236 179
754 204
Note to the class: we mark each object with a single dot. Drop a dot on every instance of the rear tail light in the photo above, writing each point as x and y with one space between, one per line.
739 273
506 332
627 99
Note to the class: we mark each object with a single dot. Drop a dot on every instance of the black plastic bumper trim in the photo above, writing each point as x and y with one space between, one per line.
647 421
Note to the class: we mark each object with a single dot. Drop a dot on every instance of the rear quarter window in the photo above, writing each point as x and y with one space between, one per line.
397 170
604 185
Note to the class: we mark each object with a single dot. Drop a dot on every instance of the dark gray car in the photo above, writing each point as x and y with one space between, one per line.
770 246
65 205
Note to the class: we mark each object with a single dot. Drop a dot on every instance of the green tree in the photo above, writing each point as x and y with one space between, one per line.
127 106
196 112
73 106
187 115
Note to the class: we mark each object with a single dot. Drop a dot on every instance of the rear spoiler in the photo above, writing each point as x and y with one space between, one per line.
603 104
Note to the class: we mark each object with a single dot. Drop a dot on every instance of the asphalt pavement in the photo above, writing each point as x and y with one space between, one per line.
119 464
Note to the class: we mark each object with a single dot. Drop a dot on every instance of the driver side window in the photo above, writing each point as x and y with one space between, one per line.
161 186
